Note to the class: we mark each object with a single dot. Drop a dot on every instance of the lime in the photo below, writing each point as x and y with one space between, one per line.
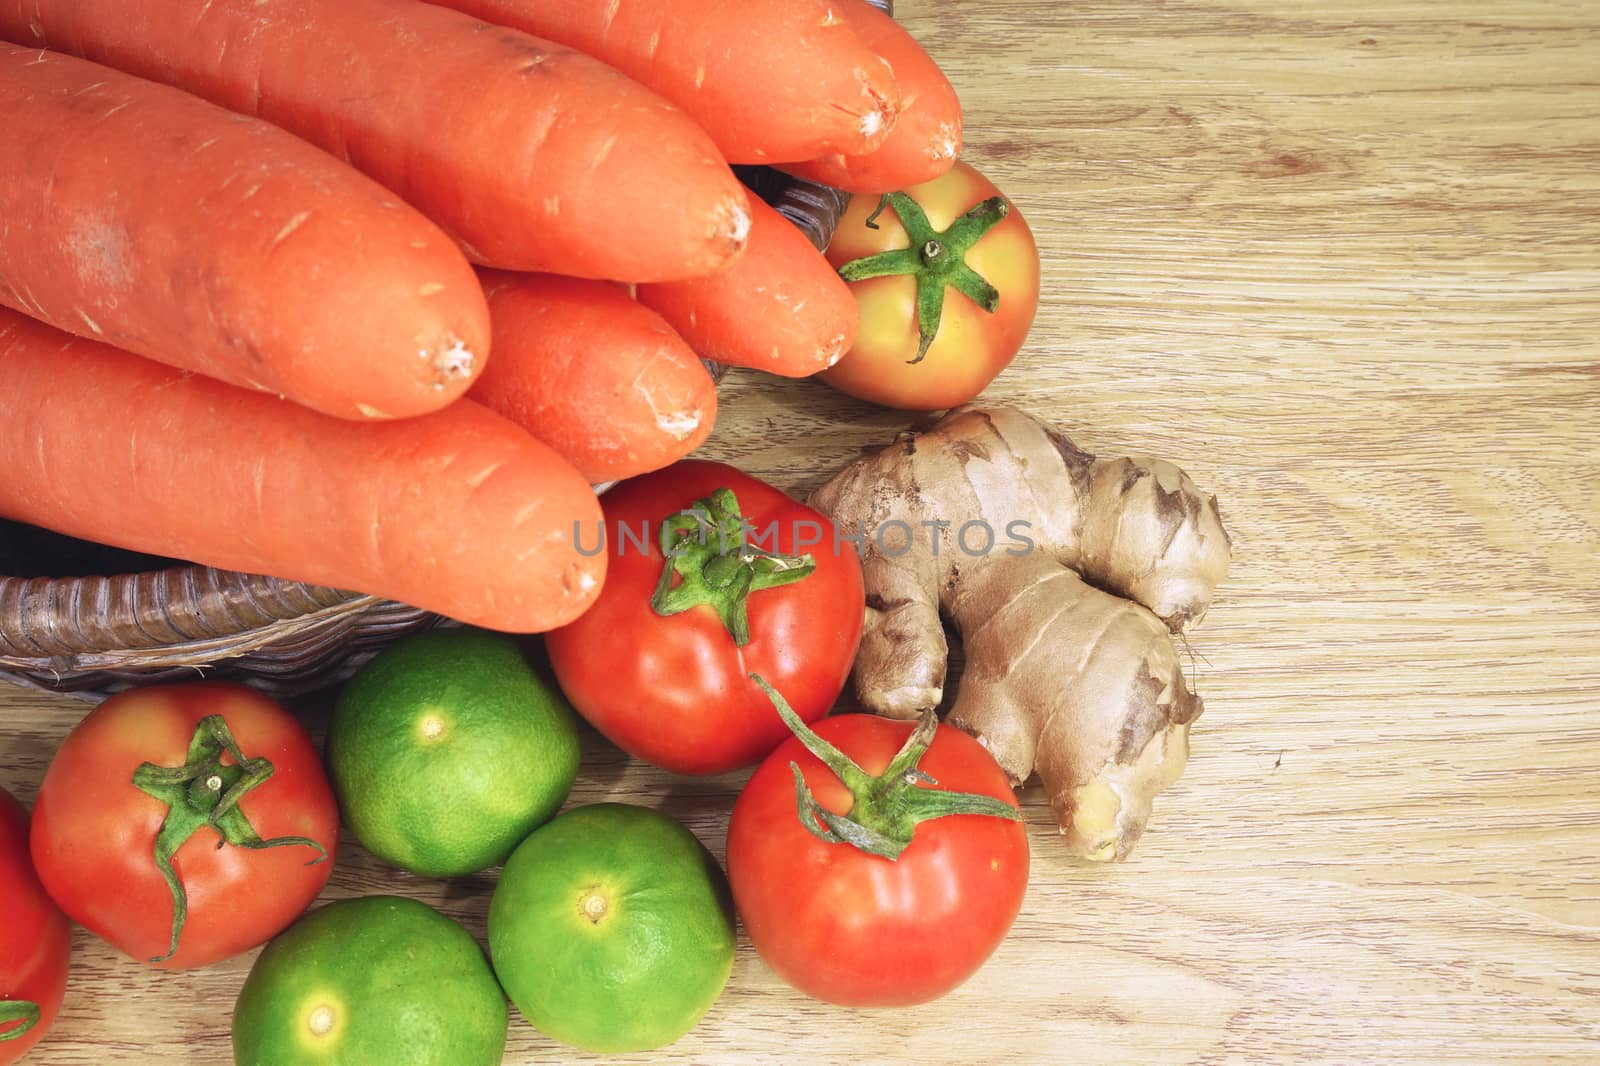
380 981
447 750
612 929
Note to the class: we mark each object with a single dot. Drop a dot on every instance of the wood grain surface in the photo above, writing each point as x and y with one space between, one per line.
1342 262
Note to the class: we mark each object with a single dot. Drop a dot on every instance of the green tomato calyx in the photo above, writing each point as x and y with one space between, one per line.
709 552
938 260
886 809
24 1011
205 792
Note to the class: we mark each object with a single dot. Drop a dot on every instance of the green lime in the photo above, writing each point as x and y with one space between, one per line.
612 929
447 750
380 981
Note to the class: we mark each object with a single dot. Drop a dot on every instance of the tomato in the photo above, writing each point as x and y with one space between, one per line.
35 941
912 289
673 688
857 928
212 783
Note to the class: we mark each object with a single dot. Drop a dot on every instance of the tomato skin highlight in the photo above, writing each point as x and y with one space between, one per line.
862 931
972 346
94 831
35 937
674 690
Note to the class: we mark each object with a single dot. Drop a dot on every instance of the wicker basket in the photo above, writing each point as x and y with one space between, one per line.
94 635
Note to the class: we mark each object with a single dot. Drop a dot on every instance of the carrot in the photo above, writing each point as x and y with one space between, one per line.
458 512
146 217
926 137
532 155
771 80
599 378
780 308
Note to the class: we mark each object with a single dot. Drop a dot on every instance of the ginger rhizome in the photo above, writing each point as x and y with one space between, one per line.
1067 617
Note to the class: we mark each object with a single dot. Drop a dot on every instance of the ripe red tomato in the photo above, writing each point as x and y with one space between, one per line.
212 780
927 293
858 929
35 941
672 689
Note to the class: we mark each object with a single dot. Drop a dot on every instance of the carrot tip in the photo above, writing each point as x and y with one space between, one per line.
680 425
455 361
732 224
837 350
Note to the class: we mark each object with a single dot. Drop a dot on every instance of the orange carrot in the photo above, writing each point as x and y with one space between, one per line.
143 216
780 308
926 137
458 511
599 378
532 155
771 80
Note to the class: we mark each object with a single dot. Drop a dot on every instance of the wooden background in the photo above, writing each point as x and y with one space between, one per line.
1342 262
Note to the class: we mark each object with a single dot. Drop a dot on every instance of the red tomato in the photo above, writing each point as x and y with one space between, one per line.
97 823
971 345
856 929
673 690
35 941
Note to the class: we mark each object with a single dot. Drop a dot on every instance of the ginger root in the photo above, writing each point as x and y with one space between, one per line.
1066 576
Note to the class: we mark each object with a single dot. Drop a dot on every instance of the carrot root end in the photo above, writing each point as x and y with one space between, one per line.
453 362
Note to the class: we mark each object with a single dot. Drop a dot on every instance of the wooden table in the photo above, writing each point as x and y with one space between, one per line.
1343 264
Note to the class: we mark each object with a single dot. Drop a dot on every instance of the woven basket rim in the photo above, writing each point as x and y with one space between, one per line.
201 651
171 614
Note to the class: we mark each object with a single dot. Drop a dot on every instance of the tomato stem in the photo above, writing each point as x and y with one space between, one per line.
708 550
886 809
936 259
205 792
18 1010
